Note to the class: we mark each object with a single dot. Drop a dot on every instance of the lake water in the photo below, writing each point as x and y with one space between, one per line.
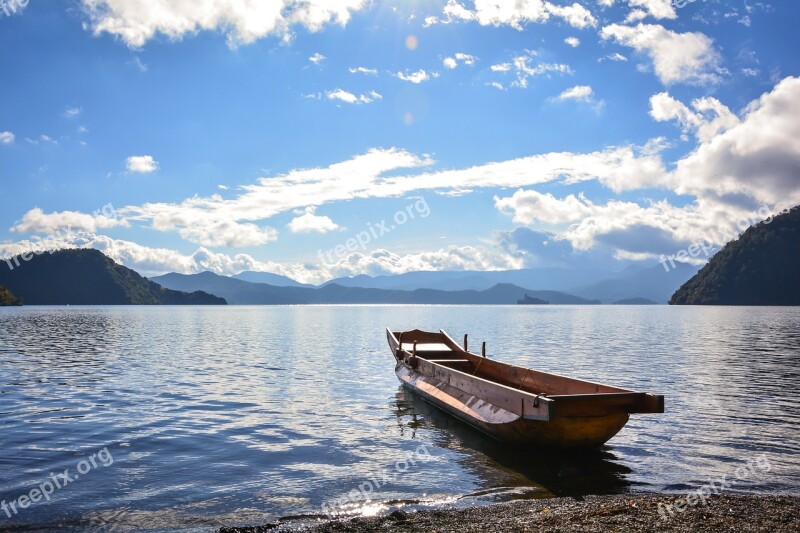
211 416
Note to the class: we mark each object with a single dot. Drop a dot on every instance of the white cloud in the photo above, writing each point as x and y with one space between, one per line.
200 219
500 67
497 85
736 167
660 9
573 41
138 63
677 57
143 164
742 168
630 230
37 221
155 261
524 68
583 93
526 207
200 231
614 57
416 77
364 176
6 137
384 262
350 98
150 261
227 233
514 14
756 160
575 15
317 58
466 59
709 118
72 112
636 15
363 70
47 139
309 222
243 21
458 59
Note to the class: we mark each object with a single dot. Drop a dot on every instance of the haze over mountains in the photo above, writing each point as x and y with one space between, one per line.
761 267
470 287
237 291
653 283
86 276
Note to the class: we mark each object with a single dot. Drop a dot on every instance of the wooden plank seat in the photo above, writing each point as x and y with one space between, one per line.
426 347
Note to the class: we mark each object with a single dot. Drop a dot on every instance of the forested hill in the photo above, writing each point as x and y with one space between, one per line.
761 267
6 298
87 277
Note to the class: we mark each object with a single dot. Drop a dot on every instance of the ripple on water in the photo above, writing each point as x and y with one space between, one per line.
242 414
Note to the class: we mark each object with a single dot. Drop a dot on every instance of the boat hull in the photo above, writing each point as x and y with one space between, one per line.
514 404
572 432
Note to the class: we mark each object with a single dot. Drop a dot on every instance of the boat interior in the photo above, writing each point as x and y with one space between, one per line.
441 349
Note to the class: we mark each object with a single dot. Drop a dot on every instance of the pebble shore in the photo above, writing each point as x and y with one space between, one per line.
601 514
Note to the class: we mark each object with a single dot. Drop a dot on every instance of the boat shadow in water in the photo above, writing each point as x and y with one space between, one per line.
519 472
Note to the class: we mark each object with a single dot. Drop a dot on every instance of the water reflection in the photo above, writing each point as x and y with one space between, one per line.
241 415
543 473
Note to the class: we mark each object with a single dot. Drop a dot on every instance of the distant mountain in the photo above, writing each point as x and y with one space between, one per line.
652 283
557 279
761 267
236 291
87 277
635 301
6 298
269 279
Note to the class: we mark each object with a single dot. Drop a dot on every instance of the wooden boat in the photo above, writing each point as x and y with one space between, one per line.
511 403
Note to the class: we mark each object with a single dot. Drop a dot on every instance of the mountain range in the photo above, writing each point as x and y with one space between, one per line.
88 277
237 291
443 287
653 283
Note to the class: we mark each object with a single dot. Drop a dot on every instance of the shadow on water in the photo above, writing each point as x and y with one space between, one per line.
545 473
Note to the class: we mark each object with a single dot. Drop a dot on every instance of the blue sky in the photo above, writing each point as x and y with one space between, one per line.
228 136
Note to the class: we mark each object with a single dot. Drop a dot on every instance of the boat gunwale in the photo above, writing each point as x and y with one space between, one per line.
551 400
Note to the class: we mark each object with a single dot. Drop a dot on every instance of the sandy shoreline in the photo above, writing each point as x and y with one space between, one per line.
628 512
